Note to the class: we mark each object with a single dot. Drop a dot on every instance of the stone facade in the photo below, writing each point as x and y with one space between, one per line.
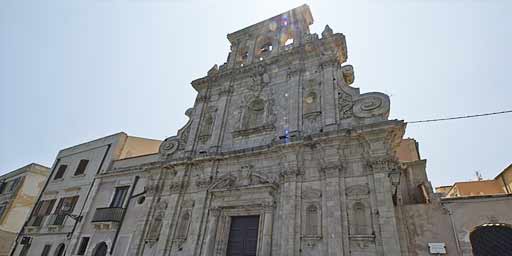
278 134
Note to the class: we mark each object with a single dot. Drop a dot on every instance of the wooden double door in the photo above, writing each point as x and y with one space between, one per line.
243 236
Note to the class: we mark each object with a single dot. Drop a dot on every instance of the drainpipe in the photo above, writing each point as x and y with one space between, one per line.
454 231
33 208
124 214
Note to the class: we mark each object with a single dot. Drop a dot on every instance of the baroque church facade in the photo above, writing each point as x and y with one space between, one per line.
281 156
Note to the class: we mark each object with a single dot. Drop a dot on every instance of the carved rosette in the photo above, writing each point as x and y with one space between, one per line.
169 146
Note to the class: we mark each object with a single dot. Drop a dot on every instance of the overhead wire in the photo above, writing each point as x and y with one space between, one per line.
459 117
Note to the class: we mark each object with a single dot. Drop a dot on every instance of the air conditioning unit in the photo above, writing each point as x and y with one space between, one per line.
26 240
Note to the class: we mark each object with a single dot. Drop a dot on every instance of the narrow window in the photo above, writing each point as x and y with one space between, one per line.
312 220
46 250
119 196
81 167
60 172
83 246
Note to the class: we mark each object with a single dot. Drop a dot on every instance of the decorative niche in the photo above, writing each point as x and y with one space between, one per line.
311 99
256 117
311 215
206 128
183 223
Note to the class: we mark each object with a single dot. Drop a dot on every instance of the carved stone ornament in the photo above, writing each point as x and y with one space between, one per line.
311 194
345 105
383 165
204 183
348 74
176 187
327 32
240 179
371 105
169 146
356 190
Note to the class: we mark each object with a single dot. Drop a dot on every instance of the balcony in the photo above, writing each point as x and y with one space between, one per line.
56 220
108 215
35 221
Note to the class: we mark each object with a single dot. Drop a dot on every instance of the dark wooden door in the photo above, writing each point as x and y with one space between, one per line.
243 236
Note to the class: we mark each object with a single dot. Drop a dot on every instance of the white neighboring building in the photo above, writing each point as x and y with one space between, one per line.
71 186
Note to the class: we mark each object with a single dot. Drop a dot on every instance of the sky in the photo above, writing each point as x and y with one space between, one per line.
73 71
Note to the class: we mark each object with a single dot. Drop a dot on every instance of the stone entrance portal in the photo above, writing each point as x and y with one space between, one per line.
243 236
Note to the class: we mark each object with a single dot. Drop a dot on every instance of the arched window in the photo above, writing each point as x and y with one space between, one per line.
312 218
359 214
263 47
61 250
183 226
100 249
491 240
286 38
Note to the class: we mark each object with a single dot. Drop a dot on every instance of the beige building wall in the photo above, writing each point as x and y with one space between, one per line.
135 146
505 179
18 202
408 151
476 188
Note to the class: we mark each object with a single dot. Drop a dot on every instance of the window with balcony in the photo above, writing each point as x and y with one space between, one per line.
42 209
64 208
119 196
60 172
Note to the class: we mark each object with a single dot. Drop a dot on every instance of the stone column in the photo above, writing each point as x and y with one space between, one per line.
211 235
333 214
288 208
387 219
328 96
266 241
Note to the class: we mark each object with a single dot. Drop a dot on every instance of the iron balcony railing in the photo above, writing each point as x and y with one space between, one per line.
109 214
35 221
57 219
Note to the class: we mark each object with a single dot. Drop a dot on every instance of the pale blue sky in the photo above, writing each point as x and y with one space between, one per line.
72 71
